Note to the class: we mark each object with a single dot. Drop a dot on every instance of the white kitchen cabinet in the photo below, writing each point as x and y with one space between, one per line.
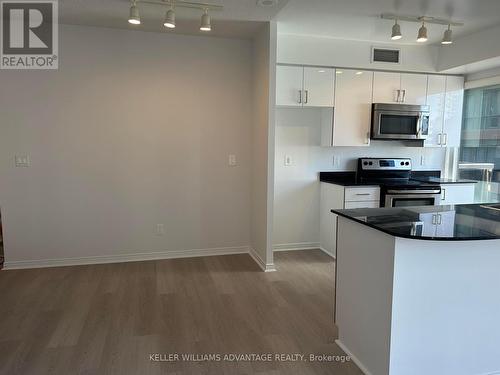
446 105
436 92
413 88
337 197
353 105
457 193
405 88
289 83
452 125
386 87
297 86
318 87
441 224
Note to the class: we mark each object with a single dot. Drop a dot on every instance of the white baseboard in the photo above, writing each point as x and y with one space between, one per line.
257 258
327 252
137 257
296 246
353 357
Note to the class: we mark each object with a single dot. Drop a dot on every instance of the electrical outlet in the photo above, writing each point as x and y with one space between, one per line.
160 229
232 160
288 160
22 161
422 160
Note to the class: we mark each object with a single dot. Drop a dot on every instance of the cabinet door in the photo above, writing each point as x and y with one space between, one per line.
457 194
429 220
353 104
289 82
436 90
386 87
318 87
414 88
332 196
454 101
445 224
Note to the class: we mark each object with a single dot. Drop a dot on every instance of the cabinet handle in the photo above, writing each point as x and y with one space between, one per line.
307 96
398 95
445 139
443 194
300 96
404 96
434 219
362 193
439 219
439 139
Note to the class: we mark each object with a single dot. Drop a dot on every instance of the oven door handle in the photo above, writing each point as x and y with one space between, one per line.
419 127
437 191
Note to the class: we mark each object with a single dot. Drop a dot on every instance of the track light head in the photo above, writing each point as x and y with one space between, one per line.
134 17
447 36
169 19
396 31
205 22
422 34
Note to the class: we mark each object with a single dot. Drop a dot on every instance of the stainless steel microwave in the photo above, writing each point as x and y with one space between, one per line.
400 121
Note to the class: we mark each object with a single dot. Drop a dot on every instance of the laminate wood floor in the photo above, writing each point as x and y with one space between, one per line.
108 319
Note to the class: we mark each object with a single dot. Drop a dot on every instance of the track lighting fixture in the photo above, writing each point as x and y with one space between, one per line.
134 17
422 33
205 21
396 31
170 18
447 37
173 5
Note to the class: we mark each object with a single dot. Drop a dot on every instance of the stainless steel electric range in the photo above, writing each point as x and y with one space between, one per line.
397 188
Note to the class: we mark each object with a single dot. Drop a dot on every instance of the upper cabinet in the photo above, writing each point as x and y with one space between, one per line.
404 88
304 87
445 98
289 82
452 125
353 103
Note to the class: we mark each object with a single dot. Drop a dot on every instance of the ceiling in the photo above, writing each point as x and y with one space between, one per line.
238 19
360 19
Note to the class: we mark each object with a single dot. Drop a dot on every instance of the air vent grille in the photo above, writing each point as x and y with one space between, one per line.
386 55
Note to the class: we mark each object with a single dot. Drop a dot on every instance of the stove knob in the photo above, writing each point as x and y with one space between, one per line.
365 163
407 163
370 163
402 163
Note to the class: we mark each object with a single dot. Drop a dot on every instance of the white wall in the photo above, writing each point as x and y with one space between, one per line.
315 50
134 129
296 219
264 55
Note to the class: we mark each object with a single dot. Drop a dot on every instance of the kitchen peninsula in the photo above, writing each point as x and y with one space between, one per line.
415 289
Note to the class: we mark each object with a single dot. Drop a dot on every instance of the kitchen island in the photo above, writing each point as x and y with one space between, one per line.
417 289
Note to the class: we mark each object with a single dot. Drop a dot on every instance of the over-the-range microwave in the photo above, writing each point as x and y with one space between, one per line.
400 121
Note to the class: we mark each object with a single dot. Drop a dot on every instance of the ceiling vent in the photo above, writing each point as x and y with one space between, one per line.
386 55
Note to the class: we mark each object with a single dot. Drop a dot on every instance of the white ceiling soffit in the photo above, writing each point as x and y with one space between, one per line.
360 19
238 19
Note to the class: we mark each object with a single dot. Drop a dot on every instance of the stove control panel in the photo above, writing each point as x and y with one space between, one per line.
375 164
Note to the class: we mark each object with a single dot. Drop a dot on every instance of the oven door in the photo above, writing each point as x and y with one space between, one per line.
394 198
399 125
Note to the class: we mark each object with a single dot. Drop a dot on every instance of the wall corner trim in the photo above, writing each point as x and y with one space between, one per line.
258 259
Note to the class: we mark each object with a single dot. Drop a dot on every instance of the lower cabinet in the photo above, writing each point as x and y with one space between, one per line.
339 197
457 193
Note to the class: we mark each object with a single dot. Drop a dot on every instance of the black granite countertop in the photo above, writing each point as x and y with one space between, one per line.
447 223
348 178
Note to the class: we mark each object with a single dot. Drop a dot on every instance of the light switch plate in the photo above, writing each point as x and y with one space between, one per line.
22 161
288 160
232 160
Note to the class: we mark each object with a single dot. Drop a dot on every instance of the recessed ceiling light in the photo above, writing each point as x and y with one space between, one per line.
267 3
321 71
359 73
339 72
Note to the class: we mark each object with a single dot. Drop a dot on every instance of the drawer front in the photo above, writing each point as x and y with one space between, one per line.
362 194
367 204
